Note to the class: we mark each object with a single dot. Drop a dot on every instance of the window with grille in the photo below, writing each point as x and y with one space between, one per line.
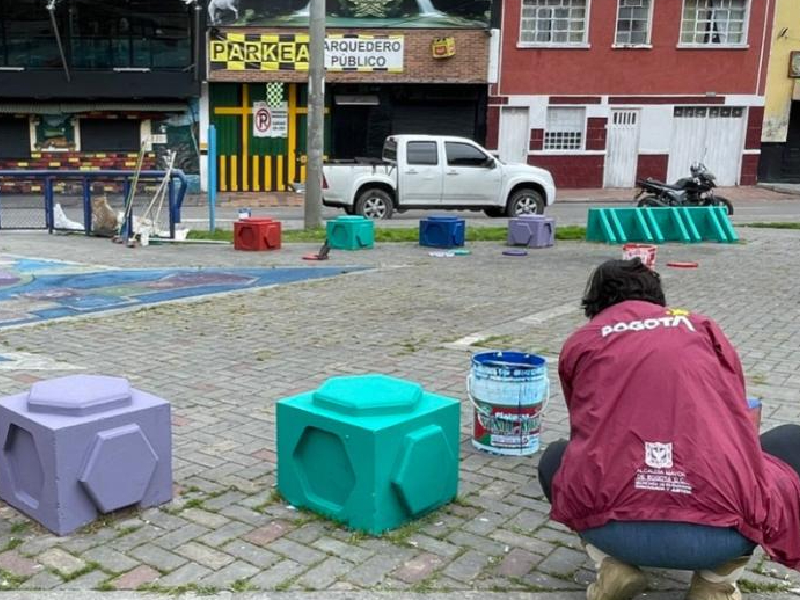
633 22
554 22
564 129
714 22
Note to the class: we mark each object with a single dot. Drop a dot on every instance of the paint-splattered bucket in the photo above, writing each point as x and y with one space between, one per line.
508 391
644 252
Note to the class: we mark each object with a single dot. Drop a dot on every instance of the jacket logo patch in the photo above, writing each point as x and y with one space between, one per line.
648 325
658 455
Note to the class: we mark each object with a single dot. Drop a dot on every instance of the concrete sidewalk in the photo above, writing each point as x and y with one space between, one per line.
587 195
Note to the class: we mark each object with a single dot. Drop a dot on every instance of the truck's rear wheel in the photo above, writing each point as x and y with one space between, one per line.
525 202
375 204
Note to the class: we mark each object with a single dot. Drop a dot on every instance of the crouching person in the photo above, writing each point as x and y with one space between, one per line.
664 467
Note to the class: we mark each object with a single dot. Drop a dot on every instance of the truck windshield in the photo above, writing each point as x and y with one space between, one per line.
390 151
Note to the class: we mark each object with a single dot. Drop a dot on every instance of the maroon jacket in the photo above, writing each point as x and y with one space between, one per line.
660 432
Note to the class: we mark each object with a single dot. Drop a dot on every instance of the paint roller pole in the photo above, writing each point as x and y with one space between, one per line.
316 114
212 177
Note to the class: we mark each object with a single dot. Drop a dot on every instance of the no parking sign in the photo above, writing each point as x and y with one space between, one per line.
270 121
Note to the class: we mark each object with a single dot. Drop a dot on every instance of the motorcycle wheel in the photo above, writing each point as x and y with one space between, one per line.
650 201
720 201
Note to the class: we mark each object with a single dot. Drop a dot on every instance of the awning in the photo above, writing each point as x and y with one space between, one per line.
37 108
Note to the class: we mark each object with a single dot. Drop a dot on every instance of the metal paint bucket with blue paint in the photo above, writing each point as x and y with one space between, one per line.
509 392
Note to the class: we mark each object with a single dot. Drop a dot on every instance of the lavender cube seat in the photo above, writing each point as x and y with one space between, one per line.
81 445
533 231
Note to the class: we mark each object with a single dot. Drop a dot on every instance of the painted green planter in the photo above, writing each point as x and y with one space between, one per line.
370 451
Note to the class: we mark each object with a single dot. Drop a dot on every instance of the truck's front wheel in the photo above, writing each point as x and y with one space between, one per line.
375 204
525 202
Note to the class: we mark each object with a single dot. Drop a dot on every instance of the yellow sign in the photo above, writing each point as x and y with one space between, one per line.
289 52
444 47
260 52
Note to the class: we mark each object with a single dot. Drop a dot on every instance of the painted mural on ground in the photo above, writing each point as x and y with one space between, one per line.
34 290
26 361
353 13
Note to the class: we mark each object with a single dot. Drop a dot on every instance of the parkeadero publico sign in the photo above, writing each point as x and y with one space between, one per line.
289 52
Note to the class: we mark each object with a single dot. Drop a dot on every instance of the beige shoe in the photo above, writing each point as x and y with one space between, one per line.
617 581
719 584
702 589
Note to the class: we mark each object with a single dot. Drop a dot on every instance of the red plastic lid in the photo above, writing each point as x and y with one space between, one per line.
682 265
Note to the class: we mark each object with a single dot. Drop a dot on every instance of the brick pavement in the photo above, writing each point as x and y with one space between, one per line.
224 361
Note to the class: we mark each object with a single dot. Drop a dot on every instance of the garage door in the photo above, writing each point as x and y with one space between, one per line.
710 135
453 119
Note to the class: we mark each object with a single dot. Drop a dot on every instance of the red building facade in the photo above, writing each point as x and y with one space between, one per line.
603 92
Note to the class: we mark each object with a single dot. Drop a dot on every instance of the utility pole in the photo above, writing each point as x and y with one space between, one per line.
316 114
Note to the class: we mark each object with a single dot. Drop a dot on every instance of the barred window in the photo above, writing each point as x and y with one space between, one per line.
557 22
564 129
714 22
633 22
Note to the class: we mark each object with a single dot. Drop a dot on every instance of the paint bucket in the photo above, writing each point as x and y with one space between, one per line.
144 236
244 213
509 392
644 252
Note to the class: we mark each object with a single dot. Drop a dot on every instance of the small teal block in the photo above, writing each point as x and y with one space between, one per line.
350 232
442 232
370 451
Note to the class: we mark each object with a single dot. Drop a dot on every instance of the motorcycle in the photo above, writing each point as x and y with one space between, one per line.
697 190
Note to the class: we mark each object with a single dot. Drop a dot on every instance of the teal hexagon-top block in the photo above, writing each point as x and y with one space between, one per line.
370 451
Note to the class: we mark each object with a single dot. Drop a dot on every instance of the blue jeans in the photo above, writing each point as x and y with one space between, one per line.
673 545
669 545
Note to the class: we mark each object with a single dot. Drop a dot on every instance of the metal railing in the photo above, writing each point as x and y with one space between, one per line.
175 194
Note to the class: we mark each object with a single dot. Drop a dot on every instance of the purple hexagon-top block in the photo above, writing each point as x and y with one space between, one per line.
77 446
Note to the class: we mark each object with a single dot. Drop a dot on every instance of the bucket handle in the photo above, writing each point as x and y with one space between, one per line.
485 413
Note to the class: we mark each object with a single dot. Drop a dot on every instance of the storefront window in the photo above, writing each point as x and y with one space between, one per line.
145 34
97 34
54 132
26 35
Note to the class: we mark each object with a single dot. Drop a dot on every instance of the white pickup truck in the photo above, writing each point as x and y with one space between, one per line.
435 172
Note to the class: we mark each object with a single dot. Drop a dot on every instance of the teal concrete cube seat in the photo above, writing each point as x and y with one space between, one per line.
370 451
350 232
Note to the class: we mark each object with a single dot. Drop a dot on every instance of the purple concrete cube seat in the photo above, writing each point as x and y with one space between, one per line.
81 445
533 231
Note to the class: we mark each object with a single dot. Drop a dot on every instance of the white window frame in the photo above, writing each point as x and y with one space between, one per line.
76 128
584 43
649 42
577 109
744 44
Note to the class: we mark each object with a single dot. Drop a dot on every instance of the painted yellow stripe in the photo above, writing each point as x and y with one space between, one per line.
303 110
292 133
256 175
245 136
229 110
234 173
279 178
223 181
267 173
302 173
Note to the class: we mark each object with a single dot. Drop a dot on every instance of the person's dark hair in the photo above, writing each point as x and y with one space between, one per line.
616 281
